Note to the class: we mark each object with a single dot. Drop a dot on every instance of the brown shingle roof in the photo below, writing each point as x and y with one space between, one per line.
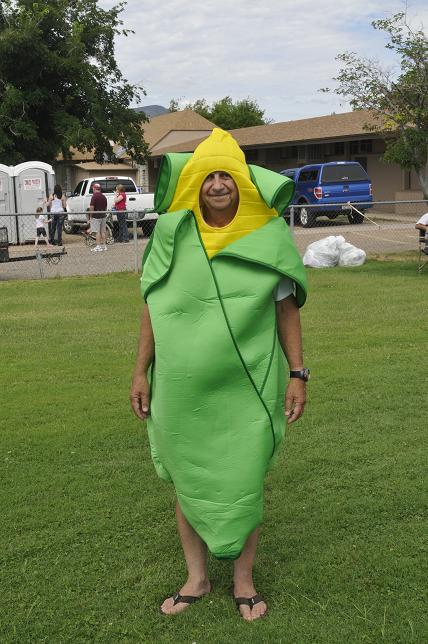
156 129
160 126
312 129
105 167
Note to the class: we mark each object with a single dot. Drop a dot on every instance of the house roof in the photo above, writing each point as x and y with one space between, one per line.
157 128
318 128
105 167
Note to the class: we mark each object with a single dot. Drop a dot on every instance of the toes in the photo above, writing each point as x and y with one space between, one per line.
245 612
168 607
259 610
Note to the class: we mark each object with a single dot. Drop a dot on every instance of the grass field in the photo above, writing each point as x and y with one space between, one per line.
89 548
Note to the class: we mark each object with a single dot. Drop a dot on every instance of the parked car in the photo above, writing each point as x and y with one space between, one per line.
78 202
337 183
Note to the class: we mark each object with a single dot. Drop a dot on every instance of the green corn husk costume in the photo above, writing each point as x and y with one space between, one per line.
218 379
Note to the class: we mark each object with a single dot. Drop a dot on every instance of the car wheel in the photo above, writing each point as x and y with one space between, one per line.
307 217
356 217
69 228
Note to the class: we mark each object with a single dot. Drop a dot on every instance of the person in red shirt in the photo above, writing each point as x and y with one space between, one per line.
120 207
98 217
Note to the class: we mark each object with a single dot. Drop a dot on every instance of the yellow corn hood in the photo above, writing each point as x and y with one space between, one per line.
219 152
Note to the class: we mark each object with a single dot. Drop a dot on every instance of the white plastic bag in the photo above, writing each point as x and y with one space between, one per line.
323 253
350 255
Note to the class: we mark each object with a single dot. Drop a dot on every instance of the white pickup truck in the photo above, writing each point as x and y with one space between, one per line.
78 202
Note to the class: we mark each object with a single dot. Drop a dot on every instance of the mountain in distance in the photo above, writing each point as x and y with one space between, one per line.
152 110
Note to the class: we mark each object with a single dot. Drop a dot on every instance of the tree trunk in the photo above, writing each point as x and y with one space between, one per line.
423 178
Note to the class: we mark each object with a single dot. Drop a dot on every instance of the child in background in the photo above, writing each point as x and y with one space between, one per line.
41 221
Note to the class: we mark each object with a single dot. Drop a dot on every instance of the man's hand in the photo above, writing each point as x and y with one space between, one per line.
295 398
140 396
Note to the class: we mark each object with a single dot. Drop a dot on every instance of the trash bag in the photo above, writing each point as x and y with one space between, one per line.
323 253
350 255
333 251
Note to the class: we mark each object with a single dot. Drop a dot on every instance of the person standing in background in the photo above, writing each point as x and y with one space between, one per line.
41 221
120 207
56 205
422 226
98 217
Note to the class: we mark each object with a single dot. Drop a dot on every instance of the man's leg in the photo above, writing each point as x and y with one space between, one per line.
103 233
195 553
243 585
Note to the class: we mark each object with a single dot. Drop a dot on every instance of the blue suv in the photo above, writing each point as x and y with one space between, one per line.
337 183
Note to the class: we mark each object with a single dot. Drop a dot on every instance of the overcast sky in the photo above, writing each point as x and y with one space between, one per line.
279 52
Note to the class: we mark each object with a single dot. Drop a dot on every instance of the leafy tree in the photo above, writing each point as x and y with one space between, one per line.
398 101
60 85
225 113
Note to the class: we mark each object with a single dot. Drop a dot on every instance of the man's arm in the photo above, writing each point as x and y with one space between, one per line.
290 337
140 388
422 227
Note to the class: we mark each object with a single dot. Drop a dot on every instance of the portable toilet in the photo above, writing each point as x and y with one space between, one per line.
33 182
7 203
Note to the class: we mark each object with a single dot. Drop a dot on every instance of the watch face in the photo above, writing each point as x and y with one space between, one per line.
306 374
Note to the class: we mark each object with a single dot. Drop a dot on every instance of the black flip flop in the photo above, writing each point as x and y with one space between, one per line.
183 599
249 601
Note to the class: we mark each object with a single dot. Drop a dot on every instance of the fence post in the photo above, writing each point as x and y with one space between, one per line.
292 220
40 263
134 227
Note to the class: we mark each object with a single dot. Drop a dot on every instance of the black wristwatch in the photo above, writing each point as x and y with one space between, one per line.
303 374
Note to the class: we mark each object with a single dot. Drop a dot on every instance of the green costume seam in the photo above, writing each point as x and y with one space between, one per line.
250 378
275 331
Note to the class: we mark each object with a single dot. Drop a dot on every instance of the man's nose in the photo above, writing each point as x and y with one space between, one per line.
217 183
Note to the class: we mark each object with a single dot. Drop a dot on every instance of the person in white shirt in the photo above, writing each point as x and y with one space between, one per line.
422 225
41 221
57 206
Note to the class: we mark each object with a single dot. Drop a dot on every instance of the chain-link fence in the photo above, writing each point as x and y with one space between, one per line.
380 228
71 248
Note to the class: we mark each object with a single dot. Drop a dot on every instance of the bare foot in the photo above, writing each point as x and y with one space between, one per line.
249 613
192 588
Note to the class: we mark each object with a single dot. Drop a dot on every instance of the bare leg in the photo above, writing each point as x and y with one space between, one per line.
243 585
195 553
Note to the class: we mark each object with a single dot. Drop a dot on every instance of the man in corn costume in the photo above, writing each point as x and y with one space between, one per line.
223 283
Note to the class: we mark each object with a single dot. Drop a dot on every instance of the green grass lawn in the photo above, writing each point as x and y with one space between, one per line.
89 547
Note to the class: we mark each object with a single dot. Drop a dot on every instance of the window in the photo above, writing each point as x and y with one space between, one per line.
251 155
366 145
361 146
343 172
78 189
314 152
308 175
109 185
289 152
288 173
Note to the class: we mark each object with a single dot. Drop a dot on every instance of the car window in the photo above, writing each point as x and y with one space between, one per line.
308 175
288 173
343 172
129 186
78 189
109 185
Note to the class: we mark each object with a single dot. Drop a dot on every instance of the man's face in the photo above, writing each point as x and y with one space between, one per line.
219 196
